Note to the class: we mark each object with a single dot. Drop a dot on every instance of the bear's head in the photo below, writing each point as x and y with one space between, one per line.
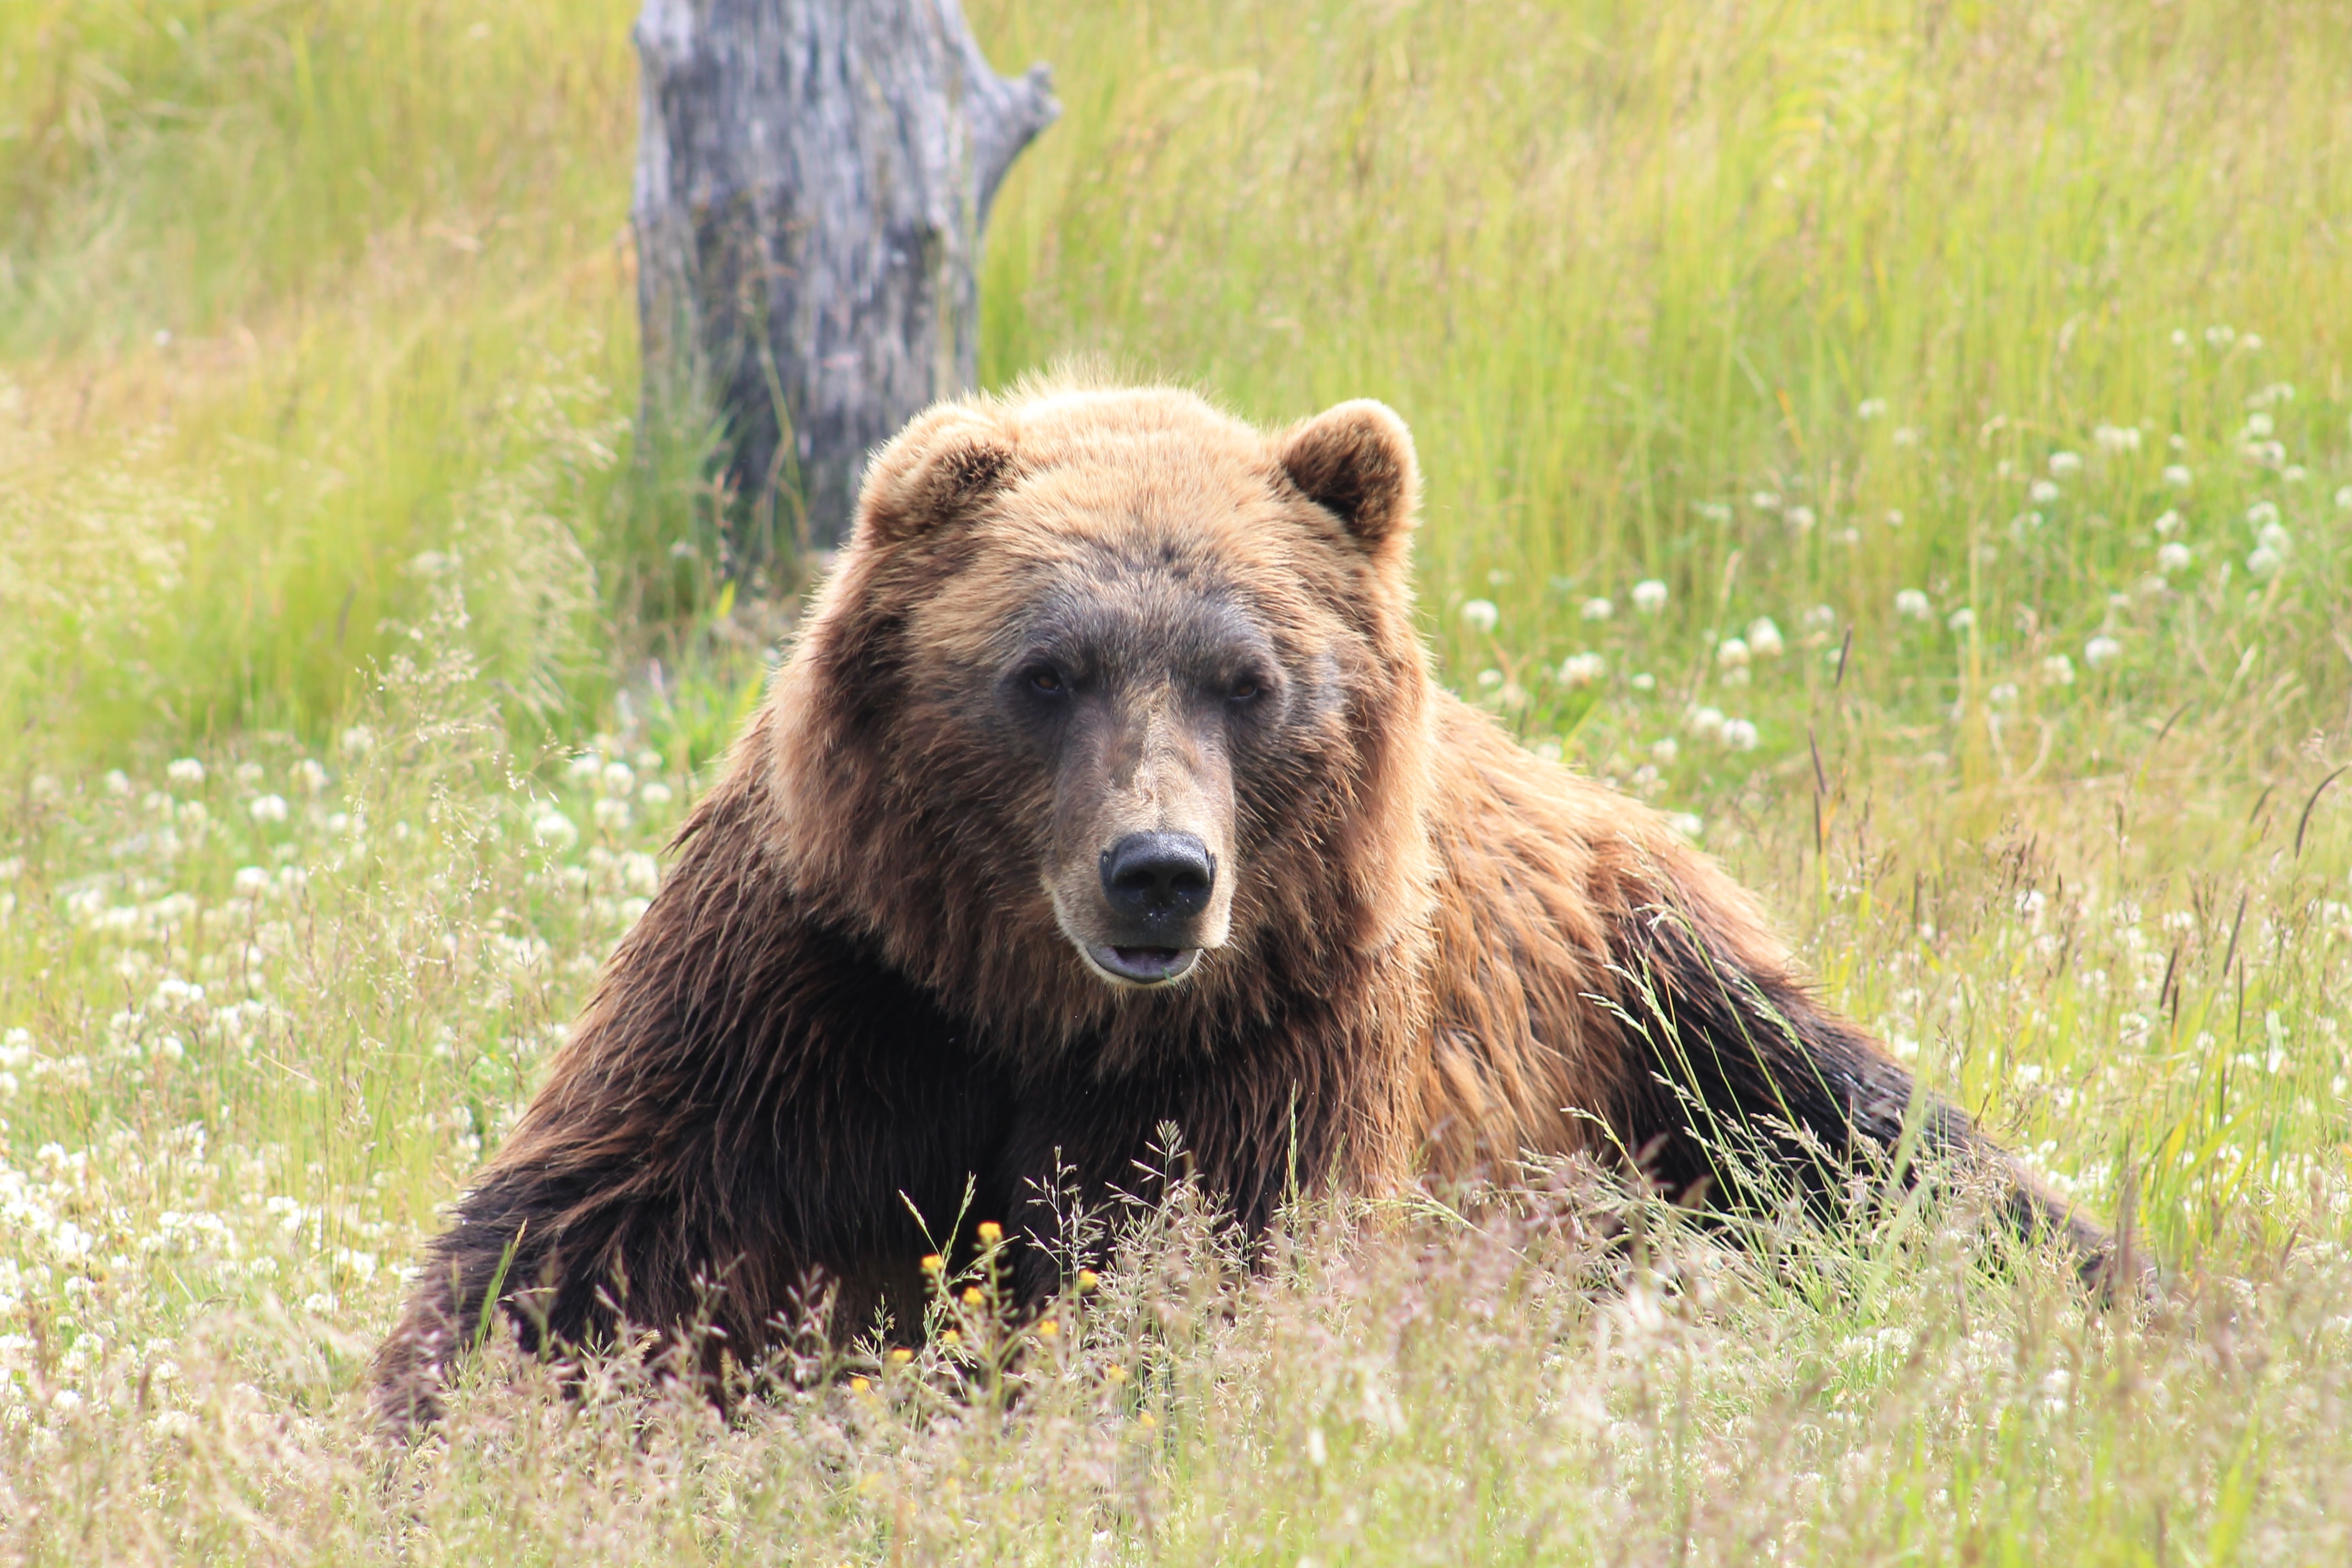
1112 717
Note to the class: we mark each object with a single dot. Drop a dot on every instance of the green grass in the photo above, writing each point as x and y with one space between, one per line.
319 465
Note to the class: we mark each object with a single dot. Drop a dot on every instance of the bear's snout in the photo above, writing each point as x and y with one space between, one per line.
1159 879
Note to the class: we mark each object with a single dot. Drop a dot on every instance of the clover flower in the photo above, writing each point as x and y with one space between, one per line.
2102 651
2178 476
1764 637
1912 604
1649 595
185 771
2065 464
1583 670
2058 670
1599 609
1481 615
2172 557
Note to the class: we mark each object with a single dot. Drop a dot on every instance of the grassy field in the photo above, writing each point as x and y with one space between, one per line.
1908 438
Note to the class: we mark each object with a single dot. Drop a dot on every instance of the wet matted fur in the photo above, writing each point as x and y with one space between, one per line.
893 958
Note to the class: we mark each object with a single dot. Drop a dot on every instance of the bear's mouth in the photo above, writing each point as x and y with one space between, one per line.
1143 965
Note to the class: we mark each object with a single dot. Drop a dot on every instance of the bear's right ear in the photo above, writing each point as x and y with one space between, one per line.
946 461
1356 461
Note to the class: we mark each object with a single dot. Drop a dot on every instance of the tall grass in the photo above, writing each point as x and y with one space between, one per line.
1909 440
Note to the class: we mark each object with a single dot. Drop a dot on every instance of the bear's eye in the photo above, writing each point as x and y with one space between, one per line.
1248 688
1049 681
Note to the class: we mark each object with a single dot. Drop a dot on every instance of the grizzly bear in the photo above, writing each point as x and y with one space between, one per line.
1106 786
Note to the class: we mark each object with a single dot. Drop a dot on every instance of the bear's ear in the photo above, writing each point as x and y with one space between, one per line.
1356 461
948 460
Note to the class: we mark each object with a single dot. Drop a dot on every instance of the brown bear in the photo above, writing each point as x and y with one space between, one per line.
1106 787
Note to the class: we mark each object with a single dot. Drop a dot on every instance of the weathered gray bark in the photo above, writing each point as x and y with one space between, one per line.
812 176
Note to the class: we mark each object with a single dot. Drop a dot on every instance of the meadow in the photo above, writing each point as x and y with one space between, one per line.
1910 440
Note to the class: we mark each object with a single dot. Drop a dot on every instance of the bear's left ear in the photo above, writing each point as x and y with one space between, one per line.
948 460
1356 461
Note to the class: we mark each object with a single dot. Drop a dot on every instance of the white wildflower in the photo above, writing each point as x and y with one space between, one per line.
1490 679
2260 513
117 783
1706 724
1871 408
2003 694
1731 652
2172 557
1906 436
1739 734
310 776
1764 637
1765 500
1894 517
1688 826
1583 670
2218 337
1599 609
186 771
1963 619
554 829
358 740
1800 518
655 793
2274 537
2263 562
2259 424
611 814
1664 752
267 807
2178 476
2058 670
2042 492
618 778
2116 438
1912 604
2063 465
1481 615
1649 595
2102 651
2167 522
584 768
2344 499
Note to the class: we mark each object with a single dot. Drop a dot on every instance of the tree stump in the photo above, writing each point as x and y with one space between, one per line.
813 177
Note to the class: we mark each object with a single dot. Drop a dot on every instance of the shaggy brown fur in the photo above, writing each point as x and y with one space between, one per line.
903 947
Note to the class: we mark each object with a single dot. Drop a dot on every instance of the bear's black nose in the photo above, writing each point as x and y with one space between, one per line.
1156 877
